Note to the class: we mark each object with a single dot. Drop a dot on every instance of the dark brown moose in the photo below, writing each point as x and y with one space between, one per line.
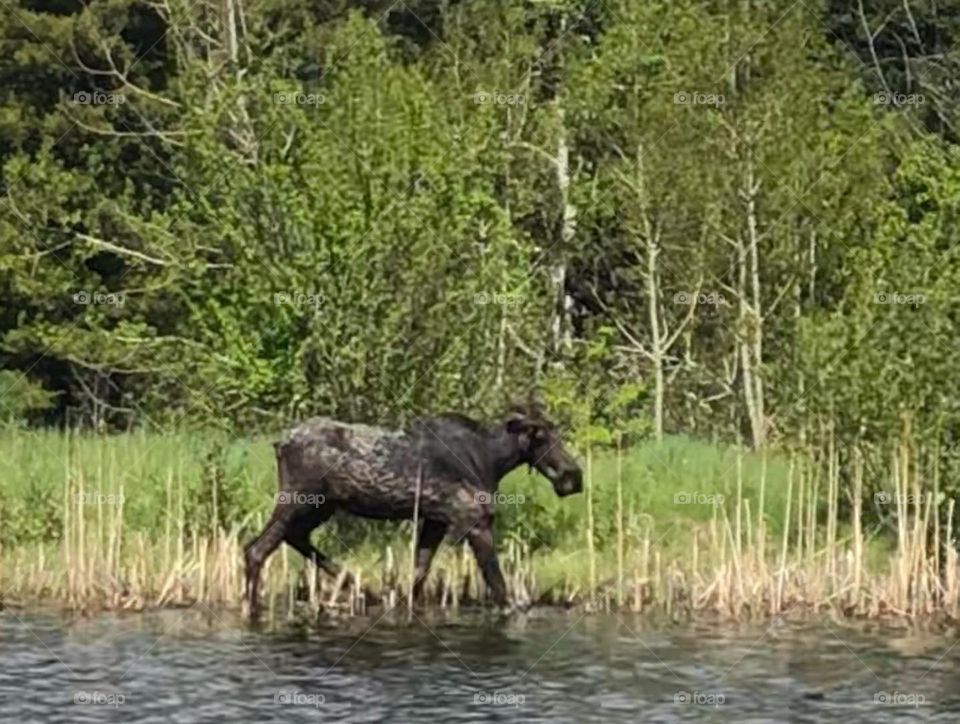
454 462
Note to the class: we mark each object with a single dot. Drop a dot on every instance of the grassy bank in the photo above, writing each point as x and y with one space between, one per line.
133 521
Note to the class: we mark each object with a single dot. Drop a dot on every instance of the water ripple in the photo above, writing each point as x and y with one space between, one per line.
190 666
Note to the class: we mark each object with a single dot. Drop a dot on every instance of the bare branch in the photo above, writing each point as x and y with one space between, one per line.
109 246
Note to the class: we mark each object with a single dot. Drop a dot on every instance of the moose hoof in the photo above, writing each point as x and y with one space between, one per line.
517 606
251 613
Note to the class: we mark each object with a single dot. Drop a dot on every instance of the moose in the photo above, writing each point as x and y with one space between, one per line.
446 468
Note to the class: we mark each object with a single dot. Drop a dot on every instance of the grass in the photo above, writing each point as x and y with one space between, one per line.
134 521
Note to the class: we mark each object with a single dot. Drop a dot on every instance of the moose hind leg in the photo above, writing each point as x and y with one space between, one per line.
258 550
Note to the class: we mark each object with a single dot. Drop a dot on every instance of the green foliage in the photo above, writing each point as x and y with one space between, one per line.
22 398
375 212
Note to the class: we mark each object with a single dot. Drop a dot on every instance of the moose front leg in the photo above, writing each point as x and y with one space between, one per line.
481 540
431 535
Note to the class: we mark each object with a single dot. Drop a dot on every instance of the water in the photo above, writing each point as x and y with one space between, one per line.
203 666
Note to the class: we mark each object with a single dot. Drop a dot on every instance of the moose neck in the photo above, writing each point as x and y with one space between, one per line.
504 455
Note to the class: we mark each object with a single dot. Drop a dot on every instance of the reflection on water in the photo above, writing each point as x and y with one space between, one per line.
200 666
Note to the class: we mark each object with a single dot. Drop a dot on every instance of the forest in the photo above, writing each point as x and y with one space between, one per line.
716 241
734 219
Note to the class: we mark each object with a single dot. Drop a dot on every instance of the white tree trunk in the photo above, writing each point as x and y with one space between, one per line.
751 317
562 335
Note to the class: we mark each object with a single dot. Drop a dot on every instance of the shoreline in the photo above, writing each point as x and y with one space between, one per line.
479 613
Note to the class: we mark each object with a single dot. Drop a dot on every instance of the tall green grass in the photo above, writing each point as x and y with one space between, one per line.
669 487
230 483
223 481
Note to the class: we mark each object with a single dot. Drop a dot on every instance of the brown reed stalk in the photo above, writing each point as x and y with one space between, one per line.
801 507
590 521
777 601
413 538
620 523
858 525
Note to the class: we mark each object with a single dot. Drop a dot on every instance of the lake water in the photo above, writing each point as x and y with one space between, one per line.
203 666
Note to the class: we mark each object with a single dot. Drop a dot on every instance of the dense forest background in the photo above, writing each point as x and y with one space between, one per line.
732 218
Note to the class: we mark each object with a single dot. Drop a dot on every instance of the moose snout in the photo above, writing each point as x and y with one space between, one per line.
570 483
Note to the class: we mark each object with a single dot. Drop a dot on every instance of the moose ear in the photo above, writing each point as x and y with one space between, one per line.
517 424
